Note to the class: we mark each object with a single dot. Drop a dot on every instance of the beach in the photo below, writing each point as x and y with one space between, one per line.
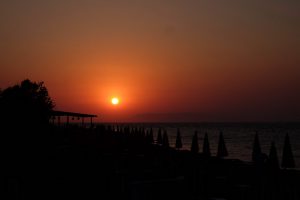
124 163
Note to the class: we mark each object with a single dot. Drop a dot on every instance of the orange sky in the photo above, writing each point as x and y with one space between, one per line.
166 60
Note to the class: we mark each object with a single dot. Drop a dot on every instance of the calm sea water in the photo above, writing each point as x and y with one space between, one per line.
238 136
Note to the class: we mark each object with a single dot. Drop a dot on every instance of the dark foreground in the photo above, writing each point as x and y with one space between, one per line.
101 163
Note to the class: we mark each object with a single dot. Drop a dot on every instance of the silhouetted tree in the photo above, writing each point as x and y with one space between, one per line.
27 104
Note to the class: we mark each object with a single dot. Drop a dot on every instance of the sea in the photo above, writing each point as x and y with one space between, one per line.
239 137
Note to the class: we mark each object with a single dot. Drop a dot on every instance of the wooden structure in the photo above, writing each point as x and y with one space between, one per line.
59 114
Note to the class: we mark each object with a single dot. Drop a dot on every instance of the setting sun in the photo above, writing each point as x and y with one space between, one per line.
115 101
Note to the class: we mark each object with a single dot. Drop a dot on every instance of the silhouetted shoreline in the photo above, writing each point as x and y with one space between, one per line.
123 163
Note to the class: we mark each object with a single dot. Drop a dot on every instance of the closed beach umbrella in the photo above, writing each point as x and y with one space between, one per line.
159 137
195 145
287 155
222 150
273 157
165 139
145 133
147 136
132 131
256 150
206 148
178 144
151 140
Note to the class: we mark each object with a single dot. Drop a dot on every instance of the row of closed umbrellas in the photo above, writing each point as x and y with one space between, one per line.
258 156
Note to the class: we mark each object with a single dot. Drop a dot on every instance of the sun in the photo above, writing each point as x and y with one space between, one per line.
115 101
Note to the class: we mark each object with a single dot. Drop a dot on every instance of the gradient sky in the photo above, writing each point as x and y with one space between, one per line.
167 60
